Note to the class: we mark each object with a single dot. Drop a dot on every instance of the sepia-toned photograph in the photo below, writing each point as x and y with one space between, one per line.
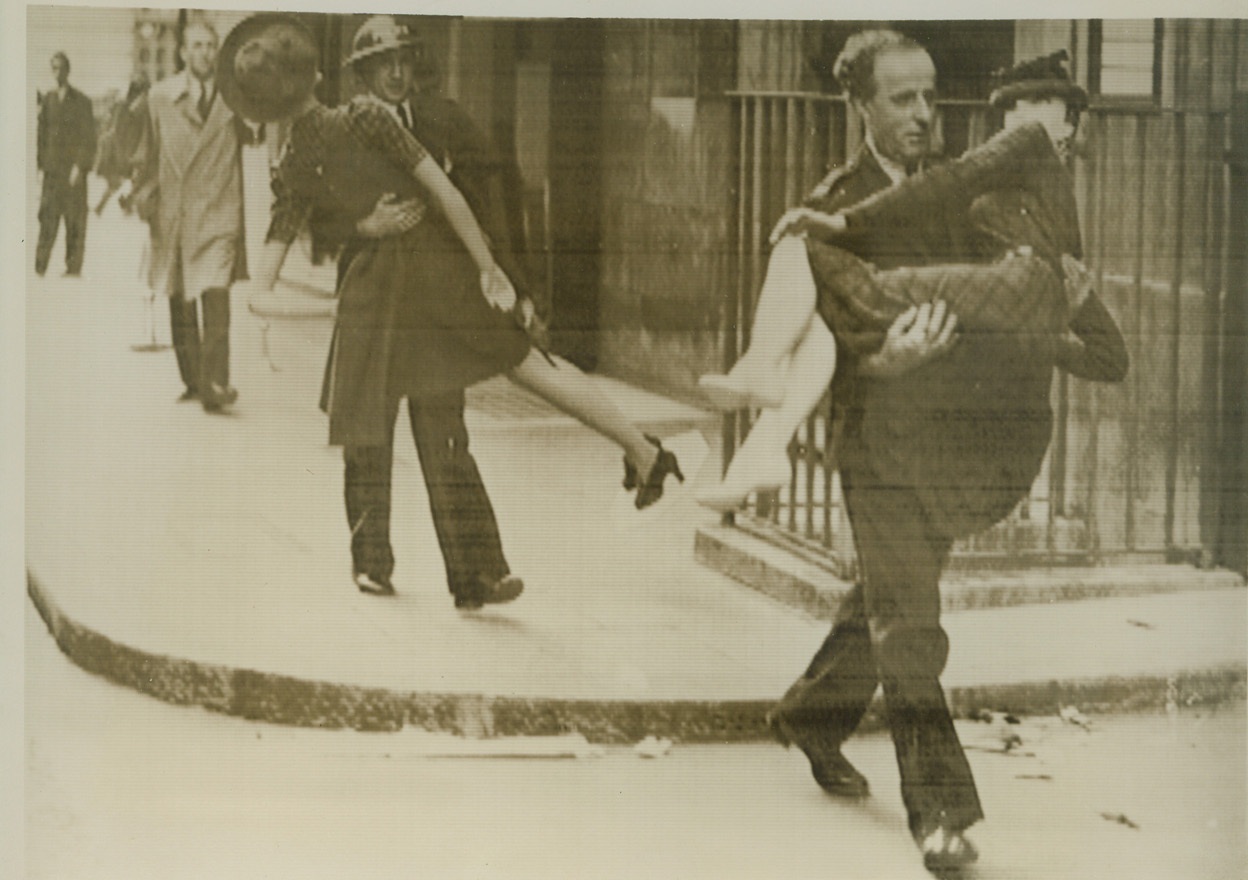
517 446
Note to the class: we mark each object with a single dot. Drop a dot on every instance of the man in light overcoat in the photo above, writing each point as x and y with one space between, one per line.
194 158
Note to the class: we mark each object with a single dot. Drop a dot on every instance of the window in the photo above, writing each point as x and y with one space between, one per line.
1125 58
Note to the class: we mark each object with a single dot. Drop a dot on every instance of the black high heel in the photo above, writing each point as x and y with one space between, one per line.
652 490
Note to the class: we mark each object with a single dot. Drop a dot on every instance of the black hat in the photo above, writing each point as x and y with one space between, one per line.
1040 78
268 66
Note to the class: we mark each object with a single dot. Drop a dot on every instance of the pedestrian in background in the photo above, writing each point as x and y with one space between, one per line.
193 157
121 141
65 152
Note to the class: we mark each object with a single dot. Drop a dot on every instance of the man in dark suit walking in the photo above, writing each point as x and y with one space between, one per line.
65 153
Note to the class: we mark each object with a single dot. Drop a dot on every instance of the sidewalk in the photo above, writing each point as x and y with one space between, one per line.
204 560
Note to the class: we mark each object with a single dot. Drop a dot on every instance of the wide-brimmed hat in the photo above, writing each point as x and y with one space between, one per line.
267 66
1035 80
382 33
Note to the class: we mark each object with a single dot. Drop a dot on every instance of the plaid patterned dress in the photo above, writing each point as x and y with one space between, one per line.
969 430
412 320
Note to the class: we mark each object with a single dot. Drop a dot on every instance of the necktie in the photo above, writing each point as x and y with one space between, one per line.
205 104
403 117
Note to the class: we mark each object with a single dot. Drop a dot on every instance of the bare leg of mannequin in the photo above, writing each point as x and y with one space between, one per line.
786 305
762 462
572 392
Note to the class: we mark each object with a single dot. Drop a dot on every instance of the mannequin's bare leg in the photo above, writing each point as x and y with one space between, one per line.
571 391
785 307
762 462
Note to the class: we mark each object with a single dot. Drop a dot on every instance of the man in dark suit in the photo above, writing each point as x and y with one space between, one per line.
390 60
887 630
65 153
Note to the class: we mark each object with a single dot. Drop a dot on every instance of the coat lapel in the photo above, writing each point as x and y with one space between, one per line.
204 129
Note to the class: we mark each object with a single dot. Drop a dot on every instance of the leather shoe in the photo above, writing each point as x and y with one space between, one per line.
488 592
832 772
374 585
945 850
215 397
188 394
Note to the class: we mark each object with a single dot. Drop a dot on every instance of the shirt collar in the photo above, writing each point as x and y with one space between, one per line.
392 109
895 170
195 88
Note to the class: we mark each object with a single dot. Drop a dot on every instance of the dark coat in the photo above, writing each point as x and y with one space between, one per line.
122 142
968 431
66 133
478 171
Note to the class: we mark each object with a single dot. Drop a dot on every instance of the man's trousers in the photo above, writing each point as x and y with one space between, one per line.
60 200
887 632
203 354
463 517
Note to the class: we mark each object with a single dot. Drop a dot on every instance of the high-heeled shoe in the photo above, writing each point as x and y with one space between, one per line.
946 851
651 490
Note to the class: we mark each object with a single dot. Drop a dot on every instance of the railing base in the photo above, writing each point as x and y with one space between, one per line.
991 582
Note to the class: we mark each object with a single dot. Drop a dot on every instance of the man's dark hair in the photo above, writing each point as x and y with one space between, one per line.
63 58
855 66
201 24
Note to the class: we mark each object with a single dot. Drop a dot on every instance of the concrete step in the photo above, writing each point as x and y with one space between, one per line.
800 581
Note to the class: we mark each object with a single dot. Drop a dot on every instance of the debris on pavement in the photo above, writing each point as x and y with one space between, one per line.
1120 818
1071 715
1001 737
439 745
653 747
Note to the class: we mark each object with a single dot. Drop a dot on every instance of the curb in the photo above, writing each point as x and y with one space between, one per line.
817 590
280 699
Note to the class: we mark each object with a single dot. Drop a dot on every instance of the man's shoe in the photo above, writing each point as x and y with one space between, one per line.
832 772
374 585
505 589
188 394
946 851
215 398
837 776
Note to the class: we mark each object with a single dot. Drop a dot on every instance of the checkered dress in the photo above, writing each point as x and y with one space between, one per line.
412 320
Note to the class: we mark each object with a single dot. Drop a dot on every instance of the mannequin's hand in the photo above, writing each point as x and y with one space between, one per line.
798 221
1079 282
497 289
